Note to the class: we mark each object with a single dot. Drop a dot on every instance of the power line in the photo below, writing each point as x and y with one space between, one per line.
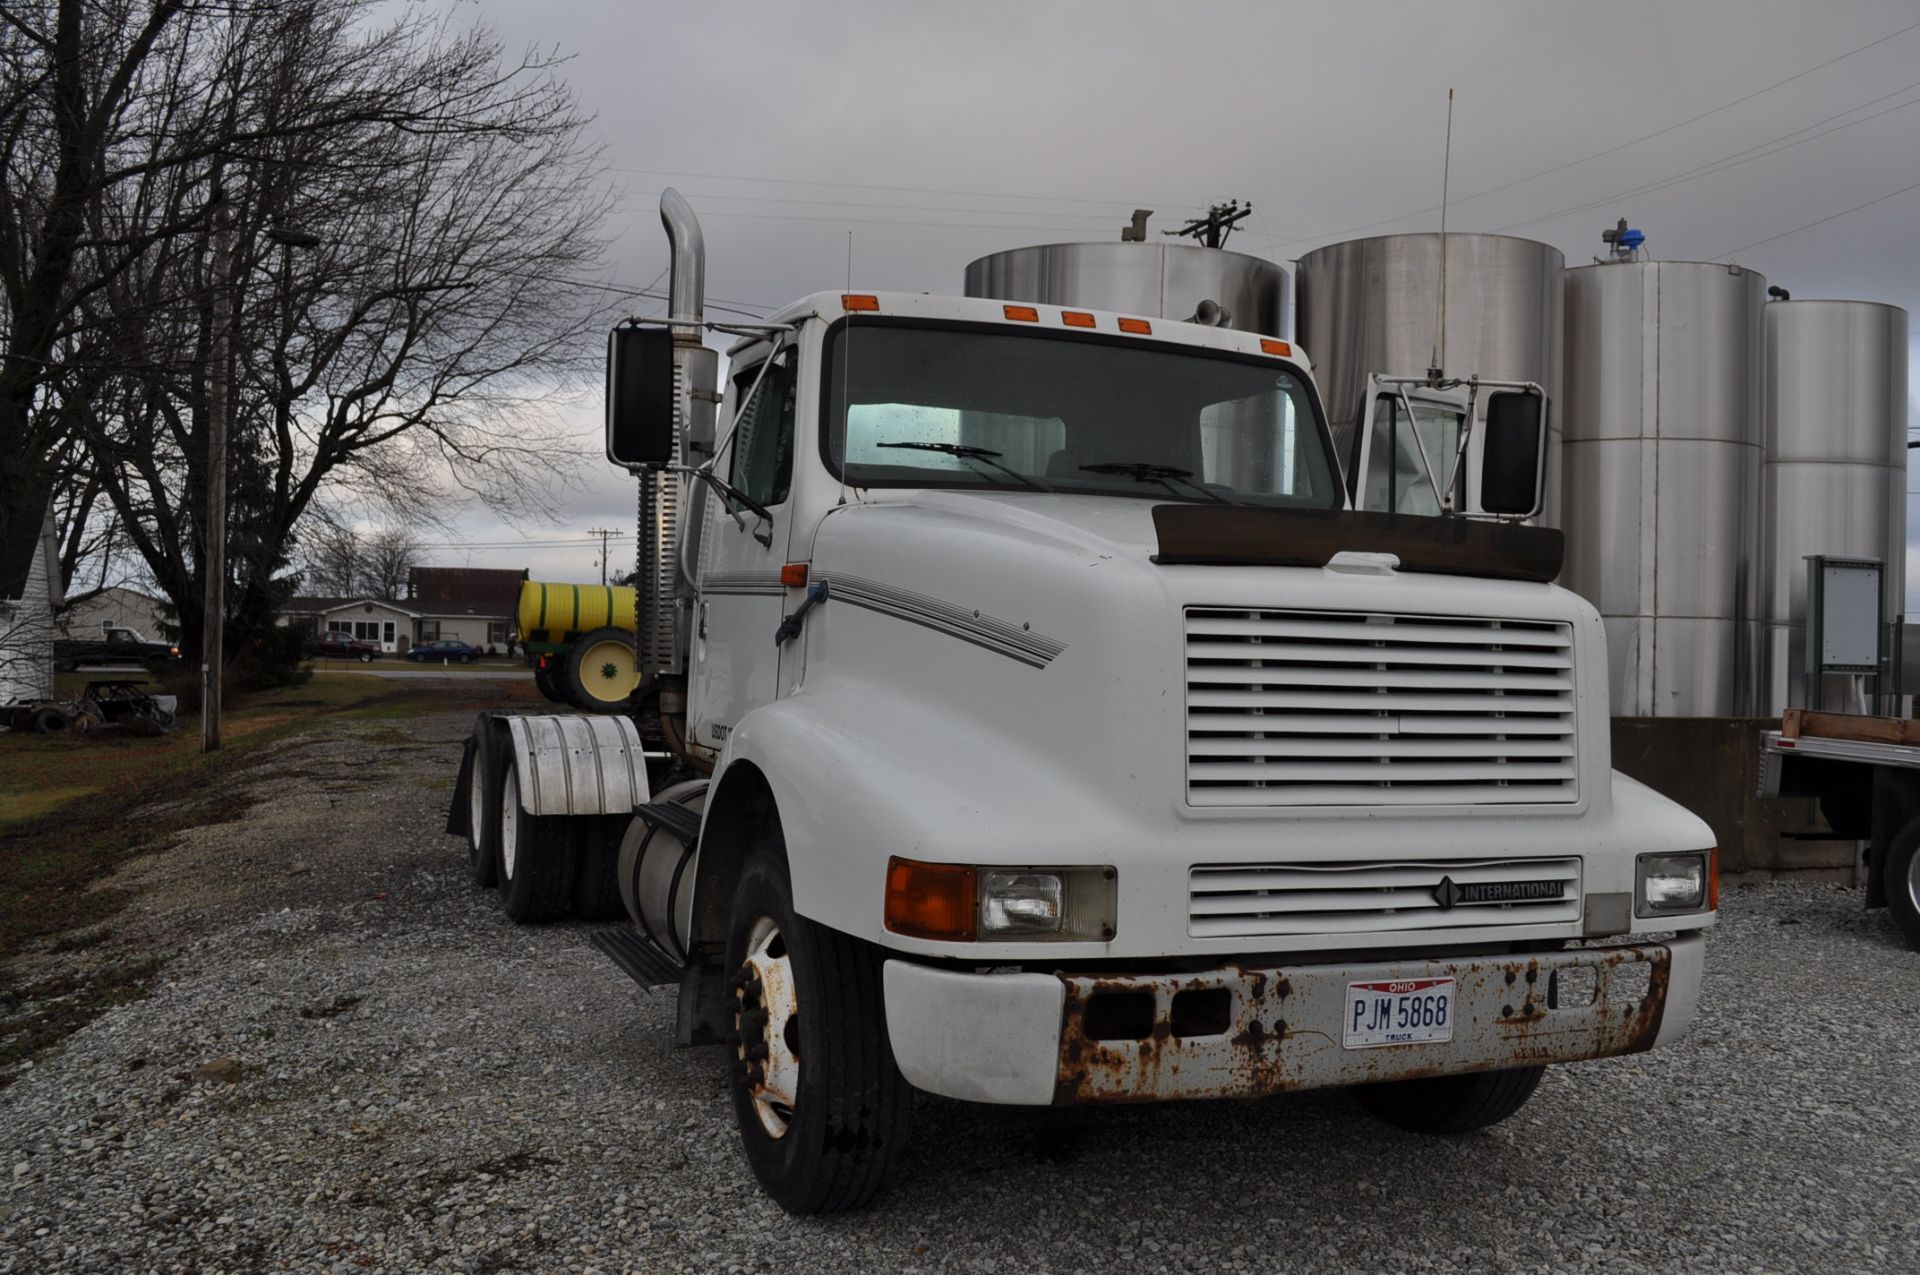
1760 150
1818 222
847 203
899 190
1618 147
1088 226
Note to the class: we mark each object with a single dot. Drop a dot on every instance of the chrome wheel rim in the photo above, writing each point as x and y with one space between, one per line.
766 1021
509 826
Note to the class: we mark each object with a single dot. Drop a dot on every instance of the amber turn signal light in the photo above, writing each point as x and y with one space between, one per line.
1713 880
794 575
930 900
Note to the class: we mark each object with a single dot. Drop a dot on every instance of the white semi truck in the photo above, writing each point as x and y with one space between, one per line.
1027 715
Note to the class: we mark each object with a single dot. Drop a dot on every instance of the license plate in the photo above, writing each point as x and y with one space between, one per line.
1413 1011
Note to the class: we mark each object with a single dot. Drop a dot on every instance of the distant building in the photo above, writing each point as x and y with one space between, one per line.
473 604
392 624
117 608
29 596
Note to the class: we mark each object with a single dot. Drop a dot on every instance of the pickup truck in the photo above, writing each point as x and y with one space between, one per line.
113 646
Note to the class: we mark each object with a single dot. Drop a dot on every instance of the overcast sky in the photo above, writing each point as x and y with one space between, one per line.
939 133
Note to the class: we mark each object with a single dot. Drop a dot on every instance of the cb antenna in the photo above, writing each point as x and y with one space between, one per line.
1440 302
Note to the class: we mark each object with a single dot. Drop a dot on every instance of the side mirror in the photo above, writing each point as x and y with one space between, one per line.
1512 466
640 393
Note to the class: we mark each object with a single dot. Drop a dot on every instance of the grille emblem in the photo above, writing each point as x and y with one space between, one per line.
1448 894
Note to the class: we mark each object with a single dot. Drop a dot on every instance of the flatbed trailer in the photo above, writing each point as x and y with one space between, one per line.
1865 772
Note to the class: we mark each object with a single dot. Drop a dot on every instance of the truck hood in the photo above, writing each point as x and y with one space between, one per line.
1041 532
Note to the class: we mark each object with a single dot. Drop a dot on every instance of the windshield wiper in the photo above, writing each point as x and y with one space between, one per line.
966 452
1165 475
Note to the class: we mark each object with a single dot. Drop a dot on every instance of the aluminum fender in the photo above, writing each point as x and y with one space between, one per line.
578 765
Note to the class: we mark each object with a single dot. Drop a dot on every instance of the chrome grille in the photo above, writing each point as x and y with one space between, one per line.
1297 708
1258 901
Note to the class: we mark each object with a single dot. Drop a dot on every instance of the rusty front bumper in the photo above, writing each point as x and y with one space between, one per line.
1246 1030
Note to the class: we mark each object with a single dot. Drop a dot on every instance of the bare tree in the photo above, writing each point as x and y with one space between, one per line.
389 556
331 563
452 200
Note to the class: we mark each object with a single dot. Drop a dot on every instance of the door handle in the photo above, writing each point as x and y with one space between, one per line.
790 626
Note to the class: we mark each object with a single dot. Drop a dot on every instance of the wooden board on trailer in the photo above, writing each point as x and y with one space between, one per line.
1798 722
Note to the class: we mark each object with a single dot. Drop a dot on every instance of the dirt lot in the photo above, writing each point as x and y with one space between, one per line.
350 1061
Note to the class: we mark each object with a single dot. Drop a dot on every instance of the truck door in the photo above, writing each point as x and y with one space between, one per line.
736 666
1410 444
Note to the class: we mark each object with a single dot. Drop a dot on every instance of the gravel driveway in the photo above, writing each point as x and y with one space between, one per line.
356 1064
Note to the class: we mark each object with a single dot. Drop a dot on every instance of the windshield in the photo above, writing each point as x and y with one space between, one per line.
933 406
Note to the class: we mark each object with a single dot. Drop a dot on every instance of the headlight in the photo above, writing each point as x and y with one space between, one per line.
961 902
1669 883
1021 903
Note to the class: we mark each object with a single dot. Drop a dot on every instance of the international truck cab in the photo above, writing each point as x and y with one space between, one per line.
1029 716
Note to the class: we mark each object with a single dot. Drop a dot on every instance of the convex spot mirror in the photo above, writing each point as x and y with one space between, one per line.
1513 454
640 392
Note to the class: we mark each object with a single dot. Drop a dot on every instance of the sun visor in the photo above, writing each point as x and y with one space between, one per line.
1238 536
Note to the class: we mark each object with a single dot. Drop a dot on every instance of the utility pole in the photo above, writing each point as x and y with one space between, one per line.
604 533
1210 231
219 403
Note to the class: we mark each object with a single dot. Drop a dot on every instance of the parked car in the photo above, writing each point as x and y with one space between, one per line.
444 649
114 646
346 646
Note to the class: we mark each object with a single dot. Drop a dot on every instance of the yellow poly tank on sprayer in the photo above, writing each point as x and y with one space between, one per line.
582 639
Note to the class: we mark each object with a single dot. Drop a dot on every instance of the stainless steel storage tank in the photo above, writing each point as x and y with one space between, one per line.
1661 496
1156 280
1369 306
1836 470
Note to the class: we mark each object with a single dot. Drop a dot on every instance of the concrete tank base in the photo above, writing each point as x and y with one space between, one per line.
1711 765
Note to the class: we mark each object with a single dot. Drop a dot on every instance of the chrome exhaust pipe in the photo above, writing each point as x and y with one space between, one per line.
687 275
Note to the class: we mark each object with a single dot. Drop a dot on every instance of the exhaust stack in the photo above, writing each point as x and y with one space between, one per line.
687 275
665 521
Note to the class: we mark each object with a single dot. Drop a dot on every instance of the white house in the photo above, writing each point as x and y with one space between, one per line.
473 604
380 620
29 595
117 607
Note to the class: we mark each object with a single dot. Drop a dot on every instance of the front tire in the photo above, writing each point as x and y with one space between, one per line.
1900 878
823 1110
1451 1105
366 657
